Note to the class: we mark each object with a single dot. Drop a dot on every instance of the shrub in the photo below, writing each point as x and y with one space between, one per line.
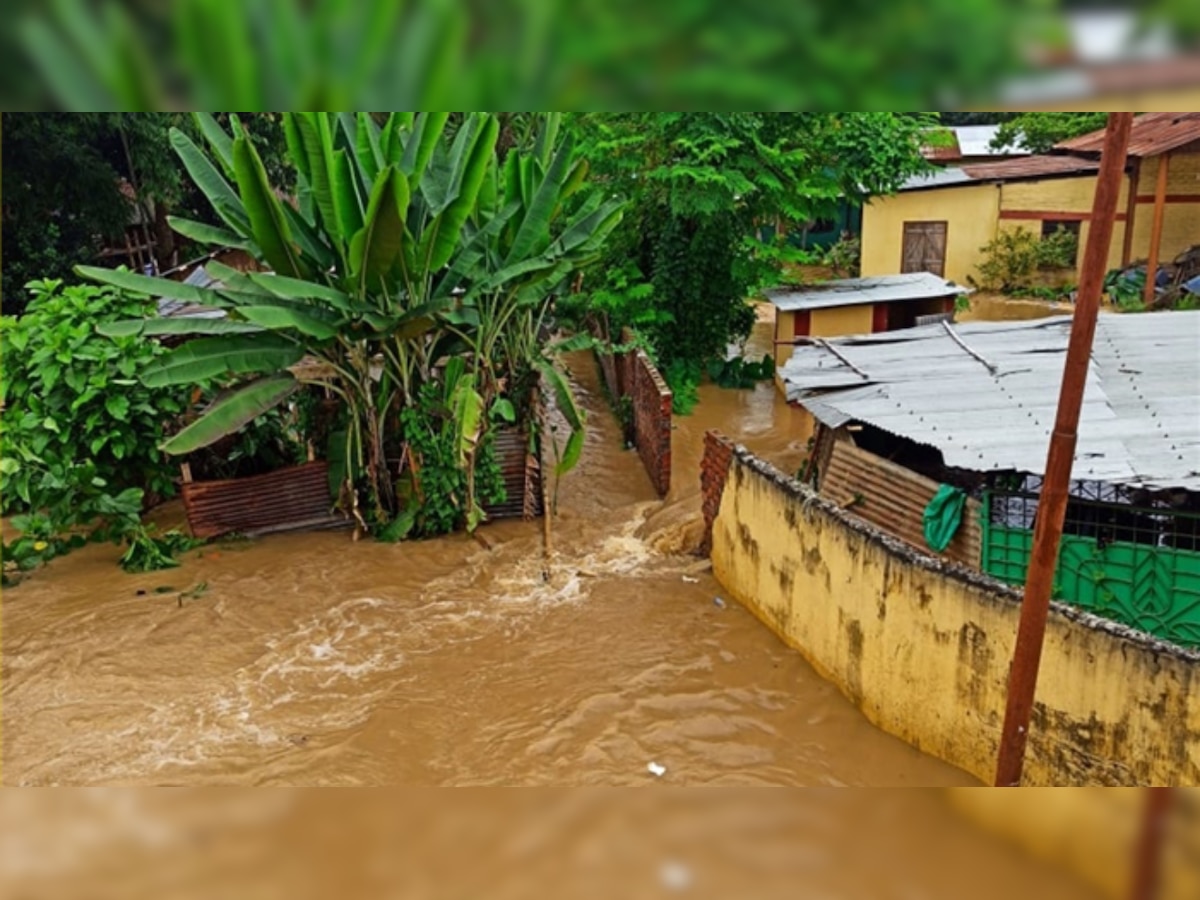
845 257
80 431
1012 258
72 397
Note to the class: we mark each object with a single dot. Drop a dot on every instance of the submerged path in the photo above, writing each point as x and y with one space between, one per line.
312 659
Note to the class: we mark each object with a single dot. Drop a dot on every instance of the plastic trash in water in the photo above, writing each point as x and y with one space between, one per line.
656 770
690 580
675 876
718 602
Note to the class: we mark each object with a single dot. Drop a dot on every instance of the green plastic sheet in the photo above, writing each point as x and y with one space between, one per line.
943 516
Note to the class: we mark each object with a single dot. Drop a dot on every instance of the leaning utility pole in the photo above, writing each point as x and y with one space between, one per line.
1052 504
1148 857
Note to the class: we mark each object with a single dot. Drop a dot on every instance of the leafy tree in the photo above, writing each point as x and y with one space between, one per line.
404 248
1037 132
61 186
700 182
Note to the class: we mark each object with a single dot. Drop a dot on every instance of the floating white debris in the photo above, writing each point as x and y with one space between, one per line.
675 876
691 580
656 770
717 601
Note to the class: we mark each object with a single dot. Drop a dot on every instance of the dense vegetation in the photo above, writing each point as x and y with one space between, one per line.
80 430
686 256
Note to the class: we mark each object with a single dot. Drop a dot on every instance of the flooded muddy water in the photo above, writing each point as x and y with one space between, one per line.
833 845
314 659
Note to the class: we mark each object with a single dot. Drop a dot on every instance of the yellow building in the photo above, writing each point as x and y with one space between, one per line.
938 223
858 306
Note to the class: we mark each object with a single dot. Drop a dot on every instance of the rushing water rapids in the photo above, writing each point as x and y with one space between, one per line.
314 659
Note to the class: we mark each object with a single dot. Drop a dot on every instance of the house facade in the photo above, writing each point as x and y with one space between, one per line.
938 223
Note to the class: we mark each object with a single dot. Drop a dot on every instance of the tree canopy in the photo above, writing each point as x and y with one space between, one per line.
1037 132
685 258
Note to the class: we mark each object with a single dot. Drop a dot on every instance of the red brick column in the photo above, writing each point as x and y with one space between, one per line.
714 469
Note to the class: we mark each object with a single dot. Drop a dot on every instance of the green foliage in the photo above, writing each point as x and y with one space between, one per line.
683 378
1125 289
290 54
741 372
1011 259
1038 132
435 493
150 552
409 243
844 257
72 397
61 186
698 183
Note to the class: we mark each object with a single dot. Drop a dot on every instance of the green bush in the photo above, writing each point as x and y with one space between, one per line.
80 431
72 398
1013 257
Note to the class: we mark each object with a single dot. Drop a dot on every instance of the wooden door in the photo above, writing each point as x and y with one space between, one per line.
924 248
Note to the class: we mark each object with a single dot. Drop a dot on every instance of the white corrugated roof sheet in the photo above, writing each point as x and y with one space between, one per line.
992 406
855 291
941 177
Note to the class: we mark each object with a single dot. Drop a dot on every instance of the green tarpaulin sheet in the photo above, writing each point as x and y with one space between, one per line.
943 515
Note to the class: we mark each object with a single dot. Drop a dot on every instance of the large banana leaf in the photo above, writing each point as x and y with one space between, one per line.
347 203
232 412
144 284
534 234
208 357
299 289
212 184
422 141
313 129
374 248
466 405
179 325
447 228
565 400
279 318
204 233
220 142
267 221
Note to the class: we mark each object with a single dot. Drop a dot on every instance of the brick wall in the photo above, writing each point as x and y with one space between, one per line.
633 375
714 469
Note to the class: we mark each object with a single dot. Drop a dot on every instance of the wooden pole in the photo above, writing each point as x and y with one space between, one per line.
1052 505
1156 225
1147 862
1130 212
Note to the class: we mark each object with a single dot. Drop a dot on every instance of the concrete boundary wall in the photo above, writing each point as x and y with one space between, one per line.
632 375
923 646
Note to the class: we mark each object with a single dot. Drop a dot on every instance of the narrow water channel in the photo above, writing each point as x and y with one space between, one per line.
312 659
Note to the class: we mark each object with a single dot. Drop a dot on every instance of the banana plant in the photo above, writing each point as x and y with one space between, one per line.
534 229
355 266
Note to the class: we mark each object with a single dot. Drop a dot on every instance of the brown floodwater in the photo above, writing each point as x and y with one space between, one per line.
311 659
588 843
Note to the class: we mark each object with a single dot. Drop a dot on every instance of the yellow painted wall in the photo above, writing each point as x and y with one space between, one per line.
1181 221
925 653
970 213
1062 195
841 320
1090 832
785 324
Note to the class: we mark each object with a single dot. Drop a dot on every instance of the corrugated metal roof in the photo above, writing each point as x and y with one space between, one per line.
1031 167
1152 134
994 410
944 177
856 291
976 140
199 277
